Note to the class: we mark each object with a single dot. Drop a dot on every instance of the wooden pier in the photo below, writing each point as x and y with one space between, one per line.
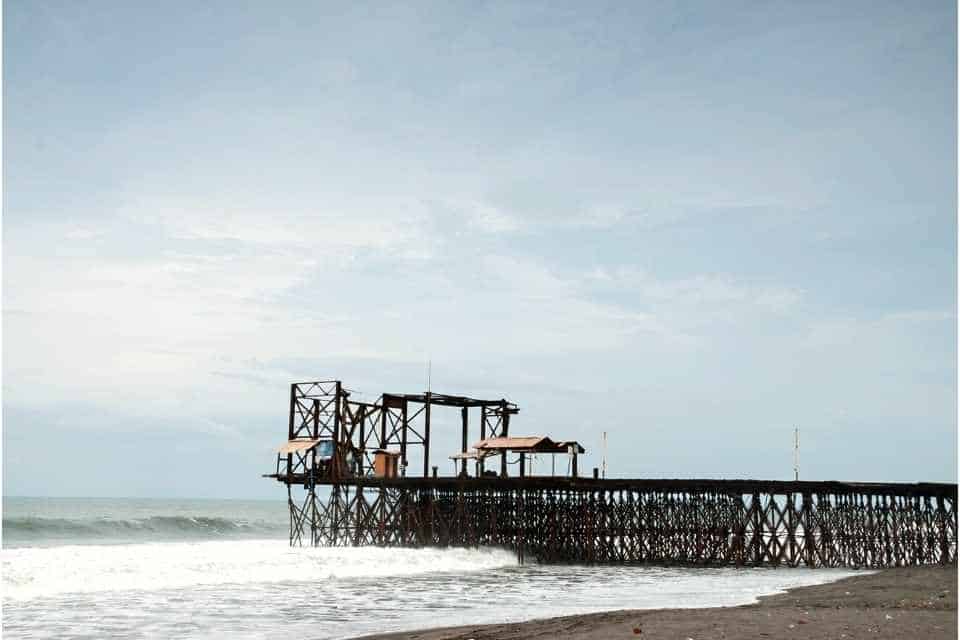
336 498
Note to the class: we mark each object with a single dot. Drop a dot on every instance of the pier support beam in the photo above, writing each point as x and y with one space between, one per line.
663 521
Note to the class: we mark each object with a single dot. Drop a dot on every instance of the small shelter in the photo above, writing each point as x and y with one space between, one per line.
522 445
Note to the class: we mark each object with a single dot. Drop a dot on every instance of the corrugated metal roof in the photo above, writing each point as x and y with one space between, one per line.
299 444
515 443
536 444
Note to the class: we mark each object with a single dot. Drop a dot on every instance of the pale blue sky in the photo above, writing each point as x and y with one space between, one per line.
691 225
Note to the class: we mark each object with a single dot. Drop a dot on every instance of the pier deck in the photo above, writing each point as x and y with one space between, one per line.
705 522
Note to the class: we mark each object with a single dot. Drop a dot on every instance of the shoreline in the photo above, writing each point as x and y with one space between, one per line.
919 602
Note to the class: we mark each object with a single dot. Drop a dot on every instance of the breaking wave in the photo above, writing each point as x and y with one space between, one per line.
32 529
36 572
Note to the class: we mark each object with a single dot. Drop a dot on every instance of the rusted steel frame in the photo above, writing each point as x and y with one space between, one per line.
807 522
323 519
294 517
563 524
358 507
414 436
394 518
827 504
952 533
457 525
745 486
315 388
773 518
872 525
300 516
366 462
491 424
929 537
896 540
305 416
445 400
371 428
362 510
380 535
395 423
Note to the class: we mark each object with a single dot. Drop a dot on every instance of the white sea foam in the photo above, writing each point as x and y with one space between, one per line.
248 589
30 573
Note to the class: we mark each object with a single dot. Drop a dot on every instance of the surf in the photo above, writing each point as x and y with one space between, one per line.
24 530
33 572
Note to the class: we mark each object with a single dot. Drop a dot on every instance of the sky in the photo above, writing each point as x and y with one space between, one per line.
692 226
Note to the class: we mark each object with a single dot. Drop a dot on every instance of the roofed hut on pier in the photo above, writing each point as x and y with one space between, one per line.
523 446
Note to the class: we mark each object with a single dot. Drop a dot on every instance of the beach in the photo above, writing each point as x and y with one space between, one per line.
913 602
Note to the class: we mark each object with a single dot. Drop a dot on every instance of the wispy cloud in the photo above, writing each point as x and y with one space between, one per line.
671 222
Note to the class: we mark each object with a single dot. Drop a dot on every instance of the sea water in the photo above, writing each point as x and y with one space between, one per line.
98 568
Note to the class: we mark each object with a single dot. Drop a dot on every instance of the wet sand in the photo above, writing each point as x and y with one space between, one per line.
915 603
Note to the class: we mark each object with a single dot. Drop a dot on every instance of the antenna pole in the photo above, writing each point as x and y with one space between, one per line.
603 464
796 453
429 372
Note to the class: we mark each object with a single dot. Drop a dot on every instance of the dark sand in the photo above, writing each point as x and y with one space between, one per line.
914 603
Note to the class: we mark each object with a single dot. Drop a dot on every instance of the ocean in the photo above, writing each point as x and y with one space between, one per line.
133 568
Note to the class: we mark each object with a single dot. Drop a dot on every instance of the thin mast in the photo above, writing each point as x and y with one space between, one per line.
796 453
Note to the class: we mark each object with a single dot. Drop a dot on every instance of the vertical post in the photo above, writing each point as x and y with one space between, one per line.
463 444
292 509
806 519
426 438
363 440
312 497
336 413
383 422
312 454
573 469
293 404
504 419
942 521
337 459
483 436
523 464
757 529
521 520
403 440
503 463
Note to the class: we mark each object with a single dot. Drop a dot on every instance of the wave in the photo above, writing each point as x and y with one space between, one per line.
38 572
167 527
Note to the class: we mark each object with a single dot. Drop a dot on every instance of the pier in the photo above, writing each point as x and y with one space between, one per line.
346 469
